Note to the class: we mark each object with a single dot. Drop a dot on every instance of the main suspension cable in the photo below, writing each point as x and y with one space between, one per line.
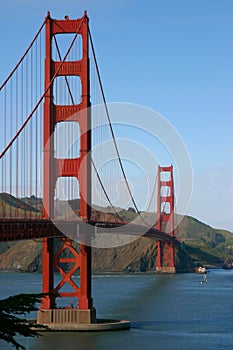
153 191
105 192
42 96
24 55
92 161
111 129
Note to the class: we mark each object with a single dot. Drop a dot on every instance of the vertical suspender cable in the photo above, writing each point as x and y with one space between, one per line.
31 140
41 119
17 147
26 144
22 138
36 131
4 159
153 192
10 155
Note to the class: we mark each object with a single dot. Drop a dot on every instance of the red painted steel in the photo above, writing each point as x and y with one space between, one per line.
54 168
165 221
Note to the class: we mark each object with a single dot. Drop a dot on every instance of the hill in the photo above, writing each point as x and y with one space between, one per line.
137 256
205 245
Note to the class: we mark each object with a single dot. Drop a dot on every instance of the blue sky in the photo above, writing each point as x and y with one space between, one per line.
173 56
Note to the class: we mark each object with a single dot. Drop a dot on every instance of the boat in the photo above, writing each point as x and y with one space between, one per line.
201 269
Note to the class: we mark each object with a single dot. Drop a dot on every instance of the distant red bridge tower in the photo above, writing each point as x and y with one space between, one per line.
165 219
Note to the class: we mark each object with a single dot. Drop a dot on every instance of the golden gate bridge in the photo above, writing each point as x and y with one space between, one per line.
47 166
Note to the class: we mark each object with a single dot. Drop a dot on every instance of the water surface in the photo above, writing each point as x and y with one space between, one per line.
167 312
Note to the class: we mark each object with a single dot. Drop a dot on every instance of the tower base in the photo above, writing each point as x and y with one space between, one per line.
76 320
166 269
66 316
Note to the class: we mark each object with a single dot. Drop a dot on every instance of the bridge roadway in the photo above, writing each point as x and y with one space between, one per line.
23 229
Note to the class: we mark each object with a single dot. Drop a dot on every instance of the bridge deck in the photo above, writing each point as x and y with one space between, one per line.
23 229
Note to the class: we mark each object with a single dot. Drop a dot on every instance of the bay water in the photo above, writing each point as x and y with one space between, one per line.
175 312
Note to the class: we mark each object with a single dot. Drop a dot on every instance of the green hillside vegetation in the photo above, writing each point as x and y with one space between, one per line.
20 207
206 245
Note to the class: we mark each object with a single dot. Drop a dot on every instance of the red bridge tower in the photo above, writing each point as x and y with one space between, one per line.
55 168
165 221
